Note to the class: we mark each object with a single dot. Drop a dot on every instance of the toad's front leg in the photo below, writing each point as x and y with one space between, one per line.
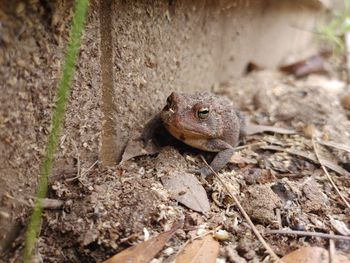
225 152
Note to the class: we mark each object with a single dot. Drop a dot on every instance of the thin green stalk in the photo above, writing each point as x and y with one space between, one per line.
72 49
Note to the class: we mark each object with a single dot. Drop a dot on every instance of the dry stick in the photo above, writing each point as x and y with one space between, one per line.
331 250
327 174
245 215
305 233
81 174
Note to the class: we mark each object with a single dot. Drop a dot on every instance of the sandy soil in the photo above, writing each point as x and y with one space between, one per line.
105 211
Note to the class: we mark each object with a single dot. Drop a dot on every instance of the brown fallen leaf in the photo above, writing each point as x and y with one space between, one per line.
135 147
314 64
335 167
312 255
186 189
340 146
250 129
203 250
340 227
145 251
329 164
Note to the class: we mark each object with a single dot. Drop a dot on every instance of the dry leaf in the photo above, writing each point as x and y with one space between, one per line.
145 251
312 255
311 65
340 227
186 189
136 148
329 164
203 250
250 129
340 146
335 167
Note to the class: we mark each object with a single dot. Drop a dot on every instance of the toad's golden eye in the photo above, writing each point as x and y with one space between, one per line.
169 102
203 113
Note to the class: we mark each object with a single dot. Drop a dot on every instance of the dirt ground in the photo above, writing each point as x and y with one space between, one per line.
105 211
25 107
95 212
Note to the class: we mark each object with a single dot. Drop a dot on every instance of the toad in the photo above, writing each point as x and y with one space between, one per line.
207 122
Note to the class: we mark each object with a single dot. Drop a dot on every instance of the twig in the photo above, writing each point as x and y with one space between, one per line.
327 174
305 233
331 250
82 174
49 203
245 215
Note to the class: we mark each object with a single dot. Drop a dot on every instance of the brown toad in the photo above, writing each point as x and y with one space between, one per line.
207 122
204 121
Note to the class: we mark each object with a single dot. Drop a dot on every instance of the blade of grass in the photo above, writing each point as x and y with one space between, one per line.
72 49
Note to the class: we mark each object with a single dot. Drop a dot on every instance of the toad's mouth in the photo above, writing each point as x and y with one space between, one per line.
184 133
182 129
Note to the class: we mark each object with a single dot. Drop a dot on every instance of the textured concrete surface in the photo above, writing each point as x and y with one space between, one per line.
161 46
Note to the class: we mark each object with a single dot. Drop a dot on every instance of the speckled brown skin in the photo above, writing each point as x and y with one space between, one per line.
204 121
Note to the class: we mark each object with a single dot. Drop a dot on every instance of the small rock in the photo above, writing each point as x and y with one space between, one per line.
221 235
260 203
316 200
340 227
345 101
169 251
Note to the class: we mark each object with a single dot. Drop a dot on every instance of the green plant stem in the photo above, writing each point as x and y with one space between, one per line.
72 49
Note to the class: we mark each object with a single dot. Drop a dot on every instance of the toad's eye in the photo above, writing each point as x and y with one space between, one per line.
169 102
203 113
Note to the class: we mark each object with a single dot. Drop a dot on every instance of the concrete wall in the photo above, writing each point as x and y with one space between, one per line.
161 46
